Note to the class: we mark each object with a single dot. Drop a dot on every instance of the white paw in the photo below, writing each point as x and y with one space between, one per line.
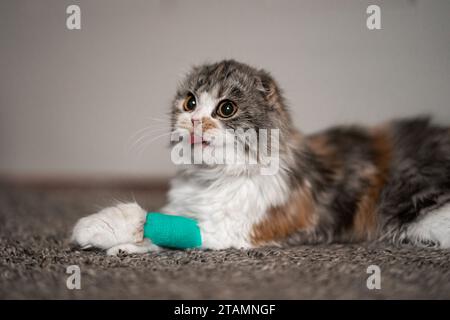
110 227
141 247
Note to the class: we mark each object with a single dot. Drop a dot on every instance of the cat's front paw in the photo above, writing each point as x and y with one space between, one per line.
110 227
133 248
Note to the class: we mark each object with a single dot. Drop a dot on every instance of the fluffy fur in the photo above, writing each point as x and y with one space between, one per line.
345 184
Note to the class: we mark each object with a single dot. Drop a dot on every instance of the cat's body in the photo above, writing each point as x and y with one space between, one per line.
390 182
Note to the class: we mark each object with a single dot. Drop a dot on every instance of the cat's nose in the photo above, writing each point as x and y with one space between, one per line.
195 121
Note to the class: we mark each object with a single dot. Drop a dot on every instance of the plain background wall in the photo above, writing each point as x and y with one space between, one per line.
70 101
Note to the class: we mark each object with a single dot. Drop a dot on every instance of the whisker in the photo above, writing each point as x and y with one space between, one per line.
146 135
159 119
145 131
148 128
146 143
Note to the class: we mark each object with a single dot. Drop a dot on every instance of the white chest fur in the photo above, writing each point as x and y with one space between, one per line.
227 208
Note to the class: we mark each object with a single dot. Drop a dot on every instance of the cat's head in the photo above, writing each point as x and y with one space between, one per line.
226 97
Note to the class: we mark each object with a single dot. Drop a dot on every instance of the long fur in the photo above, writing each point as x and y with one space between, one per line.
387 183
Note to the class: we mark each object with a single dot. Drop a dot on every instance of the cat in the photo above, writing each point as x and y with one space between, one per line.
345 184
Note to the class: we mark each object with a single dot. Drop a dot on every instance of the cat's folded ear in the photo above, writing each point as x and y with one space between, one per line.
269 89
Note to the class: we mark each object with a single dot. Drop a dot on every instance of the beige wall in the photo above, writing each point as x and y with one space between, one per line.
70 101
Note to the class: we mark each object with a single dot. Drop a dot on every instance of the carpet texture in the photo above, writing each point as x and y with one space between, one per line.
35 224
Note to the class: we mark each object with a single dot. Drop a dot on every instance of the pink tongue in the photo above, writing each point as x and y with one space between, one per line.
195 139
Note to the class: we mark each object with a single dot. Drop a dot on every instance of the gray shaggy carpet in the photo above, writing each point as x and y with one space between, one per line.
35 223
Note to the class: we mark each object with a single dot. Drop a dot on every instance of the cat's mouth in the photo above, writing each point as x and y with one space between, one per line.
194 139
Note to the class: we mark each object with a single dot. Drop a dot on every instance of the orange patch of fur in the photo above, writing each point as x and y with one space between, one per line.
281 221
208 124
365 220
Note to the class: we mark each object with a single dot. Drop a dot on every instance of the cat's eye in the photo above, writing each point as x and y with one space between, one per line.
189 103
226 109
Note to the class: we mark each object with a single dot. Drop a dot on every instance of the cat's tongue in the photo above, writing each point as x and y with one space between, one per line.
195 139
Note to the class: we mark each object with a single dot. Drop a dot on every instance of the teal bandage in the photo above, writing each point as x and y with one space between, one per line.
172 231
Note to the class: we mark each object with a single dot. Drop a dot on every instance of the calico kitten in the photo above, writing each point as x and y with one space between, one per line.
390 182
